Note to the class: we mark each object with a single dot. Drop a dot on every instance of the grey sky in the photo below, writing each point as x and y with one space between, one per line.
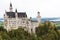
47 8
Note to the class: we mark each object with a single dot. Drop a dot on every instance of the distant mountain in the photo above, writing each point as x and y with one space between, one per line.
1 19
42 19
48 19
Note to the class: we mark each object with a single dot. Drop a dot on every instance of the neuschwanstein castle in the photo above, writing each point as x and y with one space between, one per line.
15 20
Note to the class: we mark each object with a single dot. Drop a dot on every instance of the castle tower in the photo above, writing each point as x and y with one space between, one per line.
16 18
16 12
29 28
10 8
38 17
6 26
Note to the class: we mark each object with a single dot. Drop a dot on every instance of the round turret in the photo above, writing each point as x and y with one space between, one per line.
38 17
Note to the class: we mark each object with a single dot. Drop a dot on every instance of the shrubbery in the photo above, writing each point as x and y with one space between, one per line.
45 31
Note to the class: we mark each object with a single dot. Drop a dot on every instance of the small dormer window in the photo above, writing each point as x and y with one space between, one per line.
23 22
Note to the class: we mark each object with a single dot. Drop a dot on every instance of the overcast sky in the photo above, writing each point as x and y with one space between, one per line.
47 8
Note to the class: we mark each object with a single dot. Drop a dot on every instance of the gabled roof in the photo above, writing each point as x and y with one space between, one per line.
19 14
22 14
10 14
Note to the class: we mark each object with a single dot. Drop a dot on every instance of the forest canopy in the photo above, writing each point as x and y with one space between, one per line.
44 31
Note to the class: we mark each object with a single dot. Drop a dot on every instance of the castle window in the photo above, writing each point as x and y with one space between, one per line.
18 22
12 22
31 29
23 22
23 19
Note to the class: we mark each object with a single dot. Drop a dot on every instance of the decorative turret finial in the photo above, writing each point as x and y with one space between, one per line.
38 13
30 18
10 4
10 7
16 10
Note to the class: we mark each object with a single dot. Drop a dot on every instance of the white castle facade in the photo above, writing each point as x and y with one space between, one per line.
15 20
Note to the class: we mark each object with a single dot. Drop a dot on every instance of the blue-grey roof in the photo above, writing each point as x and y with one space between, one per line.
12 14
22 14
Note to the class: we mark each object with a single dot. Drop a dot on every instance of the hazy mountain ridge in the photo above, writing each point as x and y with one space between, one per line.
42 19
48 19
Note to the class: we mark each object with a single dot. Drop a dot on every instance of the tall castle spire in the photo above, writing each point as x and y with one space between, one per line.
10 8
16 10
